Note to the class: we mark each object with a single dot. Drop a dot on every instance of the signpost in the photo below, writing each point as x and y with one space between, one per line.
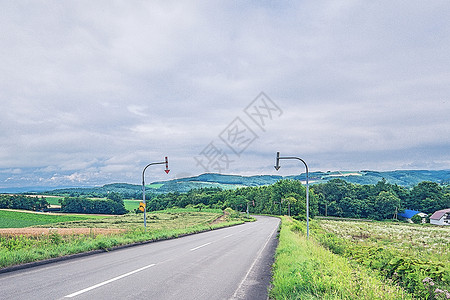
142 205
277 167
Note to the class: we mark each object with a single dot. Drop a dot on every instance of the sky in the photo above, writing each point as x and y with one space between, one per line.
93 91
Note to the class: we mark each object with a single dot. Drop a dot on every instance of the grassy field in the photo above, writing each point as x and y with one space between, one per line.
304 269
361 260
160 225
131 205
16 219
53 200
425 242
415 257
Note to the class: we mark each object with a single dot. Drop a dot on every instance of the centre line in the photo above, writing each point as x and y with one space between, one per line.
107 281
200 246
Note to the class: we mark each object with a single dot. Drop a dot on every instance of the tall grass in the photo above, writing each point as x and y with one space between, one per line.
413 256
304 269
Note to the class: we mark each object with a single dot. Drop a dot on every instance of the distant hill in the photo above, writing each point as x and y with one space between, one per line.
406 178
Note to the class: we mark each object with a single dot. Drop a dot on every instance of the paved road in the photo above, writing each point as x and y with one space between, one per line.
230 263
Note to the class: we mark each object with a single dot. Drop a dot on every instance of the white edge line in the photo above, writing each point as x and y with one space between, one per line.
107 281
254 263
193 249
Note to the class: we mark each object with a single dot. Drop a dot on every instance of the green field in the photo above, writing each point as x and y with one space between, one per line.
172 219
16 219
361 260
131 205
160 225
53 200
154 185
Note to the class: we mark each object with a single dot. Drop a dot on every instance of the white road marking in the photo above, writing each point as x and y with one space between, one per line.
193 249
235 295
227 236
107 281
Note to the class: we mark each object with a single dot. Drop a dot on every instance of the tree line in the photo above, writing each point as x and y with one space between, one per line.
336 197
112 205
23 202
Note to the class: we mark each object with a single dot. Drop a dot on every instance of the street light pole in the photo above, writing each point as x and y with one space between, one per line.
166 162
277 167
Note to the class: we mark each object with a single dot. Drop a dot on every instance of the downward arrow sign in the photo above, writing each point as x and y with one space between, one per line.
167 171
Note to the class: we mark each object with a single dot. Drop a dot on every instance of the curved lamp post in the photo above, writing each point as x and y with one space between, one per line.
166 162
277 167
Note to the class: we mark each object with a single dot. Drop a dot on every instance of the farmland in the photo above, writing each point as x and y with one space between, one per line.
17 219
126 229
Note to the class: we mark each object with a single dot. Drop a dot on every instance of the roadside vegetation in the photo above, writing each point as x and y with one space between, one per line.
160 225
412 256
360 260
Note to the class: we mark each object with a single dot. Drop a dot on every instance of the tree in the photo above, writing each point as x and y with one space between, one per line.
428 197
115 196
384 205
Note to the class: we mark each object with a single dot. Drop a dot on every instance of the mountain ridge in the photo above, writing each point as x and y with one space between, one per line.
407 178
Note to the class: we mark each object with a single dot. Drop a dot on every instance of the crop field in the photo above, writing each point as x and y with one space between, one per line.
106 232
16 219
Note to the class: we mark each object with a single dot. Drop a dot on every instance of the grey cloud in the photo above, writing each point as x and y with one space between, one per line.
91 91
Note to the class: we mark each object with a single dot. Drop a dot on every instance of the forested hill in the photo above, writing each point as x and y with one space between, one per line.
406 178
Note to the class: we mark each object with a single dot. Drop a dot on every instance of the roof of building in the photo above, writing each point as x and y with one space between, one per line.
408 213
440 213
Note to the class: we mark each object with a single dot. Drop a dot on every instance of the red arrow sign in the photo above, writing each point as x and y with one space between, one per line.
167 166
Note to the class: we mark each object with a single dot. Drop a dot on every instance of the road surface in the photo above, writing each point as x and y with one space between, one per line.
230 263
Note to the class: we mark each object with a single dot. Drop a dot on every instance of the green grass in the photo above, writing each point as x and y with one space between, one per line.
154 185
15 219
53 200
131 205
160 225
304 269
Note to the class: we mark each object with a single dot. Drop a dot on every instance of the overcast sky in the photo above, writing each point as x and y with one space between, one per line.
92 91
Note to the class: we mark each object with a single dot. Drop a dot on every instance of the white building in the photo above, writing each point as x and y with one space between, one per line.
441 217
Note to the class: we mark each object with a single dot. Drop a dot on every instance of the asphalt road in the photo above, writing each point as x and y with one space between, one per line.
230 263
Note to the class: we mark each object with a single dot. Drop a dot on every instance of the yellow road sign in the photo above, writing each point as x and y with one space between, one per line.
142 206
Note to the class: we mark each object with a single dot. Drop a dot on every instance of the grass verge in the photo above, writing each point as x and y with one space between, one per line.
304 269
